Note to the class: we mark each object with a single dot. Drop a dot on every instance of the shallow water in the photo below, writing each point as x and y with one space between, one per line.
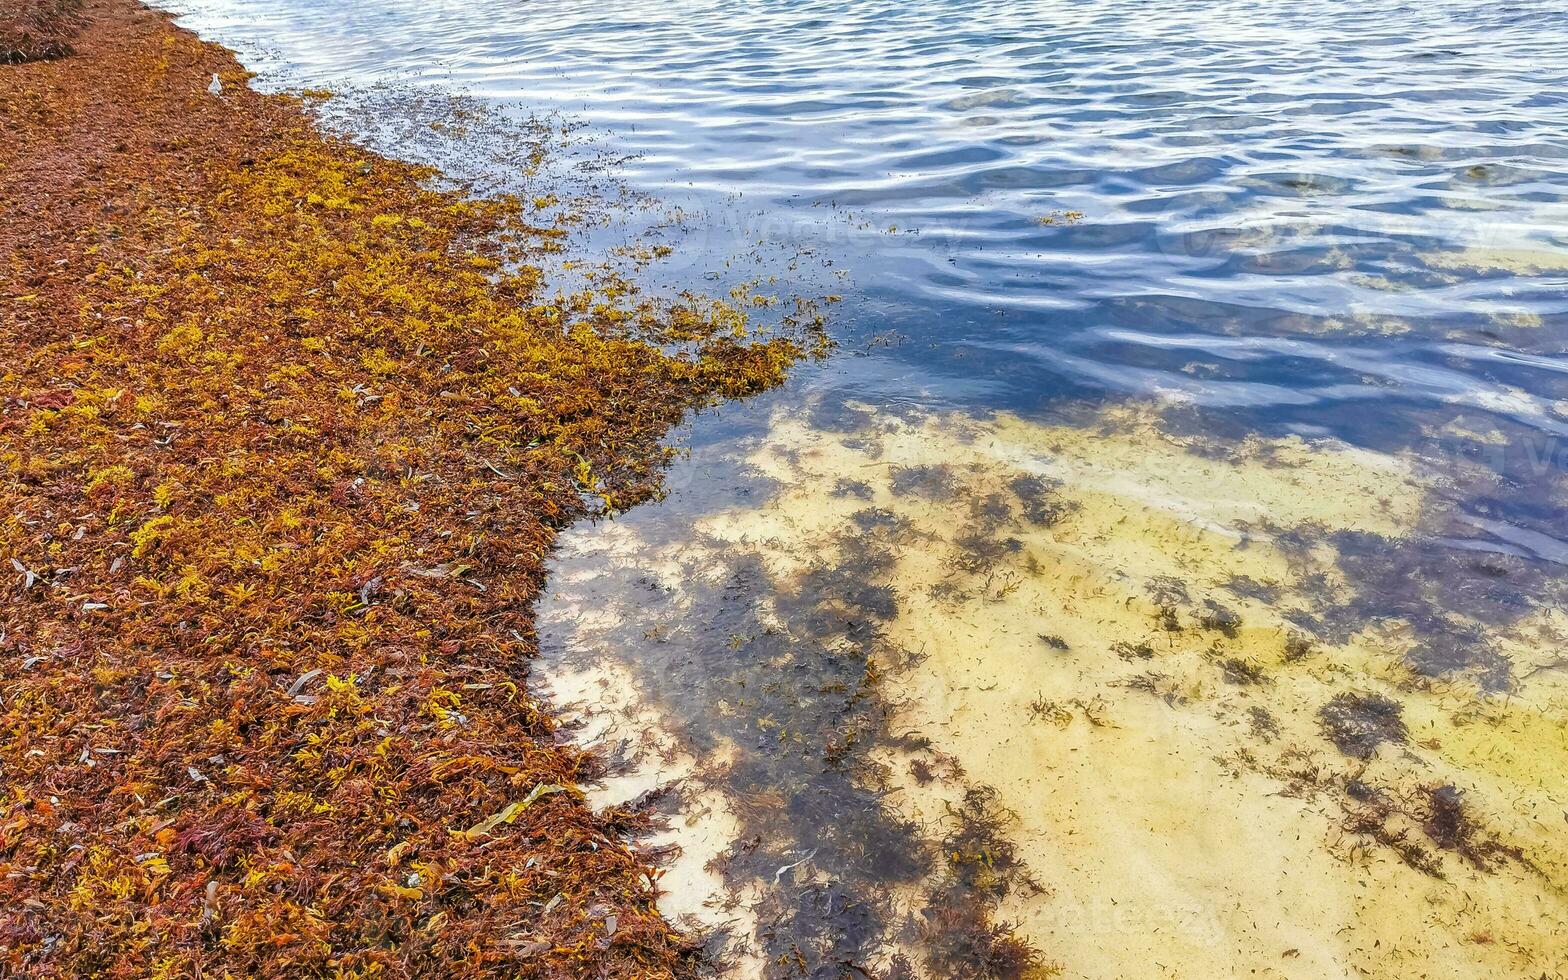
1202 392
1303 218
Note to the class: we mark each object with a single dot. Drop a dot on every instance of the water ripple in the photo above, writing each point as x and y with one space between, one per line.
1303 215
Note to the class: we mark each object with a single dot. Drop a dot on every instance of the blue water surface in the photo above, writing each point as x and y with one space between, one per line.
1307 216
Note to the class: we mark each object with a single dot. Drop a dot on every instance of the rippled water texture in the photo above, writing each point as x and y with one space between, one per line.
1165 577
1296 211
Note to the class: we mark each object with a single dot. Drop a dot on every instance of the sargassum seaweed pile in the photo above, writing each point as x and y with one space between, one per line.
285 436
31 30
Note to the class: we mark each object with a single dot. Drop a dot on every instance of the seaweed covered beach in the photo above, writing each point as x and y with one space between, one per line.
285 437
36 30
410 568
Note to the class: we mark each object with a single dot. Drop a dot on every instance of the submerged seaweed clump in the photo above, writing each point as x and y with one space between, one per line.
285 437
1359 723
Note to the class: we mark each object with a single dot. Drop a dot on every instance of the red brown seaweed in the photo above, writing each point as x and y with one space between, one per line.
285 438
32 30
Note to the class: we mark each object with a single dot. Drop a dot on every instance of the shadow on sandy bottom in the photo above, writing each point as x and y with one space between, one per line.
952 696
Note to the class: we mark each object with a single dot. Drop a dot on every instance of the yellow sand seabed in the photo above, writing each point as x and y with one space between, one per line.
1102 612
